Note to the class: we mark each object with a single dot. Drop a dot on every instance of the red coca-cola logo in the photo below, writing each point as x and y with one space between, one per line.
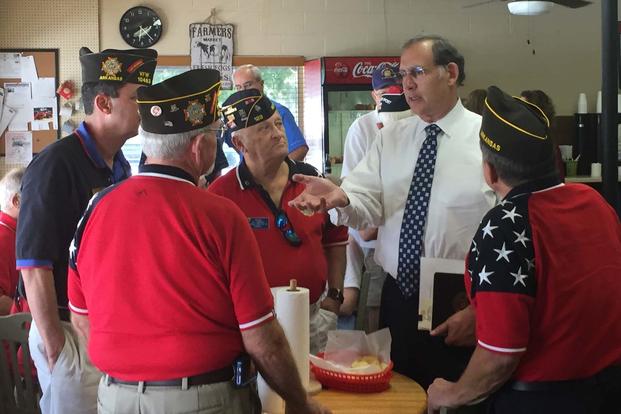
341 69
365 69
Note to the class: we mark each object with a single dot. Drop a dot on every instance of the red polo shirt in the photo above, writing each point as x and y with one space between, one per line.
168 275
283 261
8 272
543 273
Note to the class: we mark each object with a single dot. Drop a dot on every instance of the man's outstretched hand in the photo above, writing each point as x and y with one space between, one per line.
320 195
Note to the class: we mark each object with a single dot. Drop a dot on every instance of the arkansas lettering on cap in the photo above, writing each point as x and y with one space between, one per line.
122 66
246 108
515 129
384 75
182 103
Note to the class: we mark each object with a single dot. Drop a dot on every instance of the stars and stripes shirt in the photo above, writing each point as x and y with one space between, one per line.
543 275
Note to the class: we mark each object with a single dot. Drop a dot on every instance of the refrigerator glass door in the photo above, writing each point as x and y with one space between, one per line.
344 108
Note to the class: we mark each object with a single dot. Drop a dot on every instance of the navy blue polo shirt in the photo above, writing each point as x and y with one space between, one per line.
56 189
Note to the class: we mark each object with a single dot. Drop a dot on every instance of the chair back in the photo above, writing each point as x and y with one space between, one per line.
18 389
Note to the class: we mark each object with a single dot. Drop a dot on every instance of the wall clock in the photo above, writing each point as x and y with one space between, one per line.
140 27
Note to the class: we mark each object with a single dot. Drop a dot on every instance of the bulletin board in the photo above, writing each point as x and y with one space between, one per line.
46 62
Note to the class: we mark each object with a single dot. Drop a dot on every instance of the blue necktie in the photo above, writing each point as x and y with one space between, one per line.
412 233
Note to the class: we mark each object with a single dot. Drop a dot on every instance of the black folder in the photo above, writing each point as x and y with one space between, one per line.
449 296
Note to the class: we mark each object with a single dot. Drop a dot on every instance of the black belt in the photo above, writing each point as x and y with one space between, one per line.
220 375
601 377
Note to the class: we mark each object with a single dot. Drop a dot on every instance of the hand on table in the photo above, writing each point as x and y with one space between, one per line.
440 394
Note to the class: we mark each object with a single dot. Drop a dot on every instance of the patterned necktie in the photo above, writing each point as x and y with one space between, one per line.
415 215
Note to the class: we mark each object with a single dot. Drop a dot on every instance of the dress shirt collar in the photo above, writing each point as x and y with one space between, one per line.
449 124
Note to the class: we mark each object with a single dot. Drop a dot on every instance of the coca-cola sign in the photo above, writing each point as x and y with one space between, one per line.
337 69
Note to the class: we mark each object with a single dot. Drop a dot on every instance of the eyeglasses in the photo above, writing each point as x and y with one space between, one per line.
283 224
414 72
219 131
246 85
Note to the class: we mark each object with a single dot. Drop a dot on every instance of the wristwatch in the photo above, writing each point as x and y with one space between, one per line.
337 295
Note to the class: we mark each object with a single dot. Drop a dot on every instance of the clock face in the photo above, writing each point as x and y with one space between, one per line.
140 27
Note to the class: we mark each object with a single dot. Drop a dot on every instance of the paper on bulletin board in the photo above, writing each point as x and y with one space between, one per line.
44 112
28 69
18 147
428 268
7 116
17 96
10 67
44 88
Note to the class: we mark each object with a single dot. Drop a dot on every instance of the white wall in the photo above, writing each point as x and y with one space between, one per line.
567 42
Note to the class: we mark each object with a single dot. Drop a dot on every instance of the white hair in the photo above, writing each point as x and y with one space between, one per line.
10 185
167 146
256 73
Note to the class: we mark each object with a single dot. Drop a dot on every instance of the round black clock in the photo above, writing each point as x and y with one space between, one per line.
140 27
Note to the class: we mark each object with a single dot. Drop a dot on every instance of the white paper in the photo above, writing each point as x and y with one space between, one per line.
18 97
44 111
428 268
66 110
10 65
7 116
1 101
28 69
18 147
44 88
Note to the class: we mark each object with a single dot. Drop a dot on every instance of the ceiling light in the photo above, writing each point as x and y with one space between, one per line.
529 8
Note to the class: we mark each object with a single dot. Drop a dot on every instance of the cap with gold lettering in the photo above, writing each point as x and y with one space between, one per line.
122 66
515 129
182 103
246 108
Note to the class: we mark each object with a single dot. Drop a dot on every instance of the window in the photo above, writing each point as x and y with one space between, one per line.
282 83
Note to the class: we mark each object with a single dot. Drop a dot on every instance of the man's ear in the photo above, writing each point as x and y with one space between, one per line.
453 71
196 147
15 200
490 174
238 144
103 103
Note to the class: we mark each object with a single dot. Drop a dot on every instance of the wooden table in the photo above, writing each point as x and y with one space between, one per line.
403 396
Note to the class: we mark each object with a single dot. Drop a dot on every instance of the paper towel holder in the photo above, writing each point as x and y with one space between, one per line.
293 286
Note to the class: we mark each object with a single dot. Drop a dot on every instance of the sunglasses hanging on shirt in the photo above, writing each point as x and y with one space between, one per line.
281 220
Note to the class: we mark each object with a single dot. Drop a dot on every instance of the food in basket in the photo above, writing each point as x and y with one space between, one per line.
369 361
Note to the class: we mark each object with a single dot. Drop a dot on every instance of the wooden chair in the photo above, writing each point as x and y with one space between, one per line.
18 393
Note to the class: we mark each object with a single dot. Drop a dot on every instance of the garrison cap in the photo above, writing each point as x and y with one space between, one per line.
182 103
121 66
246 108
515 129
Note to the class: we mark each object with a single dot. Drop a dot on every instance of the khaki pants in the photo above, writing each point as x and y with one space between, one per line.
71 387
218 398
321 321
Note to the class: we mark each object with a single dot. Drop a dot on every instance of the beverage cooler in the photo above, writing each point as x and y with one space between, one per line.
337 90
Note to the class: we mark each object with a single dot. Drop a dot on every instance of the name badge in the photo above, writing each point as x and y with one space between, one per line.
258 223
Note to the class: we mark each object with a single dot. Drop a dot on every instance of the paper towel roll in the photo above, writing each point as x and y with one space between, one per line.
596 170
292 312
582 104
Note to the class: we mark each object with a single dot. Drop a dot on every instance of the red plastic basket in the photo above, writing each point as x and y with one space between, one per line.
351 382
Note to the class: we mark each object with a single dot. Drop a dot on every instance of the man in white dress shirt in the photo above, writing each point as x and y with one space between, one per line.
391 106
376 193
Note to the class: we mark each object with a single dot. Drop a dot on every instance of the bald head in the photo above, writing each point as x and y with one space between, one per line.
247 77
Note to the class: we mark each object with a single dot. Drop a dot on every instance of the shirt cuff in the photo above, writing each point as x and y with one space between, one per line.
34 264
501 349
77 310
260 321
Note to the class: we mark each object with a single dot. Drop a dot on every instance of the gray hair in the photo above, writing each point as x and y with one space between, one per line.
256 73
443 53
167 146
10 185
513 173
